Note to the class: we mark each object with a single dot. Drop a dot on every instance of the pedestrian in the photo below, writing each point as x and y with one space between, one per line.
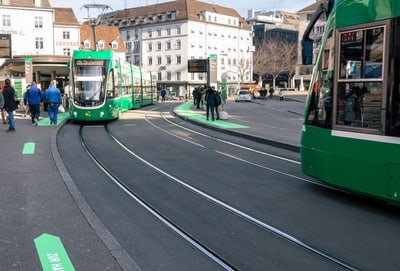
10 103
53 97
26 106
163 94
281 95
271 93
195 94
210 103
2 107
217 102
34 97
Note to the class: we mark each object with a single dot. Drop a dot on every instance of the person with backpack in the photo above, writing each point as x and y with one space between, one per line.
34 97
10 103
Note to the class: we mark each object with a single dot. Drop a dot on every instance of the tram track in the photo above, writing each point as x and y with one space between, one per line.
187 236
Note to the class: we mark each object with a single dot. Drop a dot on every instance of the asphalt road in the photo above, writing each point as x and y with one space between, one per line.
246 203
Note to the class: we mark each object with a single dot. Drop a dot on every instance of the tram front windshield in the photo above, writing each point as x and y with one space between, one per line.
89 82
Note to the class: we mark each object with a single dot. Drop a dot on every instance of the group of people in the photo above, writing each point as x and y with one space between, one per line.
33 97
212 99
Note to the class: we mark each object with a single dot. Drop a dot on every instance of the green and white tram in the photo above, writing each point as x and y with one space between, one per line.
103 86
351 130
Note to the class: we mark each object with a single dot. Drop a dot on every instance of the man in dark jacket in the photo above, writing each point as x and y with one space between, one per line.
10 105
34 97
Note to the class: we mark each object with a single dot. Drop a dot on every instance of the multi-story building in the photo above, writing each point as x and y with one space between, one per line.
163 37
36 41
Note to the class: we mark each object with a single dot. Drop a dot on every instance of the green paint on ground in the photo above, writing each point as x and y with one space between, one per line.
60 118
52 254
199 116
29 148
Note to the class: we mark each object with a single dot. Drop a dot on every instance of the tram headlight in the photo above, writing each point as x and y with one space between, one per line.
75 114
101 114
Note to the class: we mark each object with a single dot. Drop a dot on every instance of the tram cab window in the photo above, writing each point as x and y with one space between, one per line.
321 100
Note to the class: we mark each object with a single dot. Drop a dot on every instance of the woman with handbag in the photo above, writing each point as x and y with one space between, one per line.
10 103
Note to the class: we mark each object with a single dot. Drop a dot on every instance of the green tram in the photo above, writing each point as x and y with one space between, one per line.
103 86
351 130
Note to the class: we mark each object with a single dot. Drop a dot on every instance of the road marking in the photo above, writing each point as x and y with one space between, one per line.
52 254
29 148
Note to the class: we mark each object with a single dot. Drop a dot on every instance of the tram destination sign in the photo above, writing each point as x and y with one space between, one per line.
197 65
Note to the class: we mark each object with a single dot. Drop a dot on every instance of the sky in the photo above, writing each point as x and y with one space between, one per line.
241 6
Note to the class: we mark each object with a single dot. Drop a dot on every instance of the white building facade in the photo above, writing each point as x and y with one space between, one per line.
162 38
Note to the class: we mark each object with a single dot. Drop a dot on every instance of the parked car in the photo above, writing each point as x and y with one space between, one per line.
243 95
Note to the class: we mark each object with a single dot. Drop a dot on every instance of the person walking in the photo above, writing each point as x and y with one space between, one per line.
1 107
10 103
210 102
163 94
53 97
34 97
217 101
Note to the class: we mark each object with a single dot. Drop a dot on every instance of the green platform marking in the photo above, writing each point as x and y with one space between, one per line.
29 148
184 110
52 254
60 118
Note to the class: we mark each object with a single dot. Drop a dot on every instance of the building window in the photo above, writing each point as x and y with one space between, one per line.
100 44
159 32
38 22
150 33
6 20
86 44
168 45
159 46
178 30
173 15
114 44
168 60
178 76
154 17
149 46
159 60
178 45
67 51
169 76
178 59
128 35
163 16
168 31
39 43
159 76
150 61
66 35
136 34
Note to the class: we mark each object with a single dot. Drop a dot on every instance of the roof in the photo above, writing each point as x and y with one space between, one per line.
26 3
184 9
65 16
105 33
311 8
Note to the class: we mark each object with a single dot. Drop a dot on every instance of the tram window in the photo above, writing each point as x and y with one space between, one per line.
359 105
110 85
321 100
361 53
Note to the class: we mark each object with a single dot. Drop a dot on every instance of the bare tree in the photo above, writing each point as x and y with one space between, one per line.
275 57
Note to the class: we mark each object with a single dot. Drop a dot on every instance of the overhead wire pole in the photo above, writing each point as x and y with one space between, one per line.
92 20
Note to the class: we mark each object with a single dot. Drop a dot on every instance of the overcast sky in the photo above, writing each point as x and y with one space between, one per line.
241 6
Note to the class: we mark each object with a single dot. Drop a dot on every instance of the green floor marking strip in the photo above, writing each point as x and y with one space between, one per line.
52 254
185 111
60 118
29 148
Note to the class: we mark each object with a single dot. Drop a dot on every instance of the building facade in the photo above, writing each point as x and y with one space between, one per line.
36 41
163 37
